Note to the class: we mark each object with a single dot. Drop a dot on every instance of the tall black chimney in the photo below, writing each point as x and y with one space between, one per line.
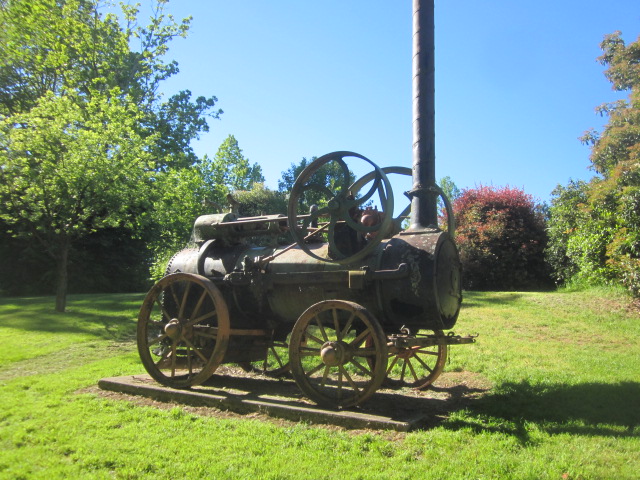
424 211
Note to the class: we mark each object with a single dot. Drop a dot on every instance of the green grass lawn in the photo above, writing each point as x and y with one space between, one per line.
564 402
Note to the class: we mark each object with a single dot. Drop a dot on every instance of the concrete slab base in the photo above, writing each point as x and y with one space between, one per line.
281 398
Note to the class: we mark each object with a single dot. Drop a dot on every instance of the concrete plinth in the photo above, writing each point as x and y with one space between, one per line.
281 398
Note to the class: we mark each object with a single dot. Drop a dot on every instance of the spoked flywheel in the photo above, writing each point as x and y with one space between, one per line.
338 353
340 208
183 330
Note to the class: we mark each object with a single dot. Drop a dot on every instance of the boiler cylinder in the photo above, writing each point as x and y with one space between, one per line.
410 280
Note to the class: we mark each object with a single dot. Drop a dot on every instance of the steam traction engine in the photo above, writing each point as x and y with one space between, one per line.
356 302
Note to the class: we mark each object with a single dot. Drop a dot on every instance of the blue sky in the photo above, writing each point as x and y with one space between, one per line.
516 82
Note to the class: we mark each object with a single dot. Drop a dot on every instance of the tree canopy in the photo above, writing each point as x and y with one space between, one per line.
602 217
231 170
85 134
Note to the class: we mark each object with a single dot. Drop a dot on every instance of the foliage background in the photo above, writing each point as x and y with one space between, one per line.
594 226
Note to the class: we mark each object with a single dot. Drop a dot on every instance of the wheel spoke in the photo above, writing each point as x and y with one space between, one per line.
205 333
278 359
413 372
315 369
361 367
158 339
174 295
395 360
404 368
375 186
336 324
201 318
174 354
200 354
321 327
185 296
360 338
164 313
315 339
365 352
425 352
189 365
346 328
345 174
325 375
349 379
423 363
196 309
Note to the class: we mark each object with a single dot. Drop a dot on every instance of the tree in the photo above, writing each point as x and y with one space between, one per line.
85 132
604 245
230 170
260 200
566 215
72 166
449 188
501 236
329 176
181 195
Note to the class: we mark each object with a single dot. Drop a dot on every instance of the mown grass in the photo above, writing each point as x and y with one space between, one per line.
564 404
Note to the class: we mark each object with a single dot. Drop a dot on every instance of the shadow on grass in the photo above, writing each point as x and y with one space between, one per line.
109 316
479 299
584 409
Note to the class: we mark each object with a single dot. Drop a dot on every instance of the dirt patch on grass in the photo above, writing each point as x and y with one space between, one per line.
451 392
634 307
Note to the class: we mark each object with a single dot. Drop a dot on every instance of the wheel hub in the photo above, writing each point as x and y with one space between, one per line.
173 329
406 353
335 353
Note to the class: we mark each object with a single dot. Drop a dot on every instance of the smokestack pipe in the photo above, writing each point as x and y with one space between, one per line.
423 195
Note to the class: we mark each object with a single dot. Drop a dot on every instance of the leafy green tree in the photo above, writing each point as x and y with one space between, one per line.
230 170
327 178
566 214
72 166
84 125
449 188
260 200
604 245
52 46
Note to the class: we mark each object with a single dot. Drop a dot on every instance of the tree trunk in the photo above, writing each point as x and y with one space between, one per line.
62 274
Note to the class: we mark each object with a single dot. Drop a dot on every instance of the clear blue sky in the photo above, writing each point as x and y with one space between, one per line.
516 82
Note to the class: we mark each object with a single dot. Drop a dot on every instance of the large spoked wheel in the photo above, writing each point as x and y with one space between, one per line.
183 330
338 353
416 367
339 207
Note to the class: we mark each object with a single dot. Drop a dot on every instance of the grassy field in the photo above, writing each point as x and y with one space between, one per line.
564 402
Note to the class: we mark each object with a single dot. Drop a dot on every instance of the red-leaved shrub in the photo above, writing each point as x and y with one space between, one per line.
501 236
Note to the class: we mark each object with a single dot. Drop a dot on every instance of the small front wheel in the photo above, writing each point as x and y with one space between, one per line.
417 367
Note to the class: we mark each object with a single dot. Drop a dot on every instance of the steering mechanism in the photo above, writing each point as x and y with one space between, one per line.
343 211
